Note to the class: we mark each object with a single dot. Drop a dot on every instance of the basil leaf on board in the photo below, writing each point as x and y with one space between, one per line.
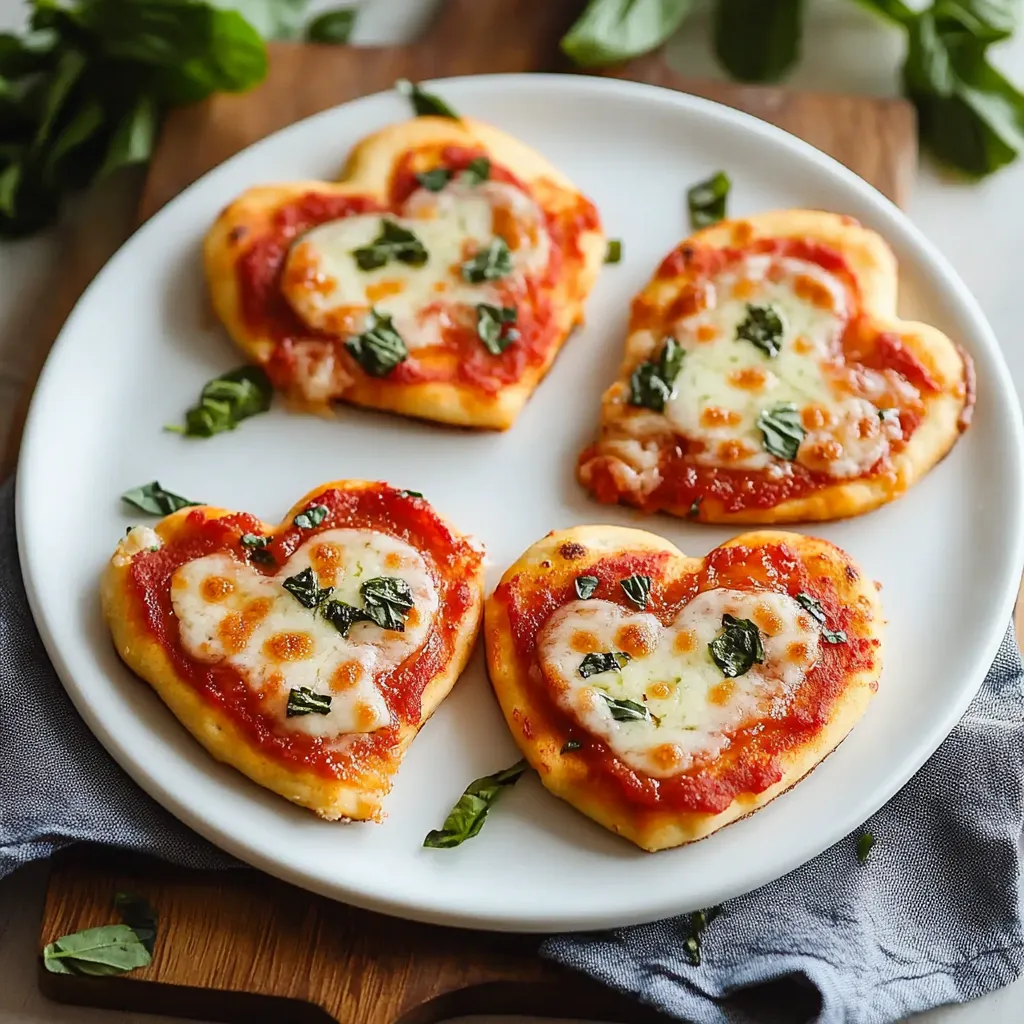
491 263
585 587
738 648
304 701
782 430
388 601
342 616
305 588
477 171
653 384
627 710
108 949
380 348
611 31
707 200
758 40
492 327
699 920
613 254
865 843
227 400
393 243
424 104
571 745
434 180
154 500
637 588
137 913
762 327
311 517
467 817
332 27
595 663
813 608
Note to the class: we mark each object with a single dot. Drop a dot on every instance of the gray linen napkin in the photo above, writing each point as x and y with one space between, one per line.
931 917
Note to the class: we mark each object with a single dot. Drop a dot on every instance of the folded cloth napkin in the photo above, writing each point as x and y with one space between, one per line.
931 917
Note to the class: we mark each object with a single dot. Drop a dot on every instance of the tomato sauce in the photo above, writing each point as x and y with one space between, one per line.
380 507
752 760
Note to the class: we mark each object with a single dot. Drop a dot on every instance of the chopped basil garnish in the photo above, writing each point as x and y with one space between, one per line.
227 400
467 817
570 745
304 701
393 243
342 616
411 494
782 430
493 327
694 511
595 663
152 498
738 648
434 180
379 349
305 588
707 200
637 588
424 104
613 254
477 171
256 546
491 263
654 383
865 842
388 600
762 327
699 920
585 586
311 517
137 913
813 608
96 952
627 710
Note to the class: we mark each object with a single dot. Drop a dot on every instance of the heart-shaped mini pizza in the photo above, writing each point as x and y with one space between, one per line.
768 379
666 696
306 655
437 279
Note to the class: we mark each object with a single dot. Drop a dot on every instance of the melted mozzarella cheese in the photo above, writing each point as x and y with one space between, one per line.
325 286
693 708
726 382
229 613
138 538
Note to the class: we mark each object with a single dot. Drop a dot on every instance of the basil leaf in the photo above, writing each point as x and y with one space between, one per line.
411 494
393 243
595 663
492 327
434 180
782 430
707 200
813 607
424 104
762 327
256 548
380 348
137 913
304 701
613 254
738 648
108 949
134 137
694 511
611 31
637 588
758 40
152 498
571 745
467 817
332 27
585 586
653 384
227 400
305 588
894 11
342 616
311 517
627 710
388 601
699 920
491 263
865 843
477 171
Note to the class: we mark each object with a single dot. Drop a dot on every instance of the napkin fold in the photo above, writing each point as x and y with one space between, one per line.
932 916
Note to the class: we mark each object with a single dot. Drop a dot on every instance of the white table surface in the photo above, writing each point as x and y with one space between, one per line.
977 226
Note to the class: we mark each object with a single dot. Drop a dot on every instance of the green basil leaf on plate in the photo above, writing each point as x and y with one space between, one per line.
597 662
305 587
627 710
782 430
387 602
762 327
424 104
494 327
707 200
653 384
154 500
637 588
467 817
227 400
585 587
380 348
393 243
737 648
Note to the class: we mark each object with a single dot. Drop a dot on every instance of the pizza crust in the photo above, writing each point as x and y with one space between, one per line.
369 172
356 798
568 777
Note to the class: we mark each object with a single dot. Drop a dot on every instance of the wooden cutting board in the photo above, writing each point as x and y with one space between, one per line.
238 945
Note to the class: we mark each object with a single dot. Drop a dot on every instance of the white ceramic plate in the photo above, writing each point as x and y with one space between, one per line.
142 341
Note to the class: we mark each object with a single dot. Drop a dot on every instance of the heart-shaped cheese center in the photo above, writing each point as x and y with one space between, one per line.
685 707
229 613
325 285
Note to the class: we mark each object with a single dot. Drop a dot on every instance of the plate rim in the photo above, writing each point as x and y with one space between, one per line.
1000 389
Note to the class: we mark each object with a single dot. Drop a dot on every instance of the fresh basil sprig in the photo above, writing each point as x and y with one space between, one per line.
637 588
585 587
813 608
762 327
380 348
467 817
154 500
653 383
97 952
627 710
310 517
424 104
596 662
491 263
738 647
304 701
494 327
782 430
610 31
707 200
227 400
393 243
